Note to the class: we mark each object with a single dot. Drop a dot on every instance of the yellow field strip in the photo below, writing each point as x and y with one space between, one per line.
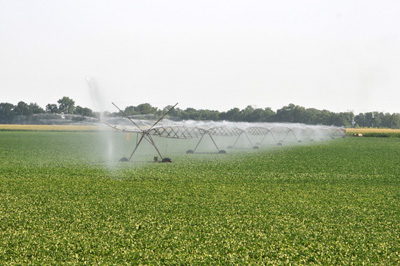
372 130
47 127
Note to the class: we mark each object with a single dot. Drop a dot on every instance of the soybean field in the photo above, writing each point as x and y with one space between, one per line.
324 203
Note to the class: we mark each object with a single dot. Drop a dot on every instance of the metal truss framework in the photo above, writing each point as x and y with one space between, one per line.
299 134
147 130
278 133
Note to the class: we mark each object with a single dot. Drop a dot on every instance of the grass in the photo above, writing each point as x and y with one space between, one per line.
330 203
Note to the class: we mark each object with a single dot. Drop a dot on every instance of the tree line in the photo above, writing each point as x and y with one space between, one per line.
23 112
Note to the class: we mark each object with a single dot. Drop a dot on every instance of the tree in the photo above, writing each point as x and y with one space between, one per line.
174 113
141 109
22 108
311 116
66 105
386 120
395 121
299 114
342 119
208 115
52 108
285 114
83 111
130 110
190 114
360 120
231 115
35 109
325 118
7 113
145 109
246 113
258 115
268 114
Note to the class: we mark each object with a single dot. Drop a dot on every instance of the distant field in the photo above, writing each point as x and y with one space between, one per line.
329 203
372 130
85 128
46 127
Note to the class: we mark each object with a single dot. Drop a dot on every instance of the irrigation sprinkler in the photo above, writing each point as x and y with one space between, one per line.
210 133
145 131
177 132
145 135
261 131
309 132
201 130
240 133
285 131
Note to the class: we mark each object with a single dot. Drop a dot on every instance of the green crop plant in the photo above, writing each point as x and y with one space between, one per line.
329 203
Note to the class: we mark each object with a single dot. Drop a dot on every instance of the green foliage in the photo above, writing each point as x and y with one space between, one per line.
290 114
378 119
32 113
52 108
83 111
141 109
7 113
66 105
35 108
332 203
20 113
22 108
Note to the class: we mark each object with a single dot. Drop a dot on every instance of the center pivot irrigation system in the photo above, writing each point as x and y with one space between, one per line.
250 136
253 135
145 134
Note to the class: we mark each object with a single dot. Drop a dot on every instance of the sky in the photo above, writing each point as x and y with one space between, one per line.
339 55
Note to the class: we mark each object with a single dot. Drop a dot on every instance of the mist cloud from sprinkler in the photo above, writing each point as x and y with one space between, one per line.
218 137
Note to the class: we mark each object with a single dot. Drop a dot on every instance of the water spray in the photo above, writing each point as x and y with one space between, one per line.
219 133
